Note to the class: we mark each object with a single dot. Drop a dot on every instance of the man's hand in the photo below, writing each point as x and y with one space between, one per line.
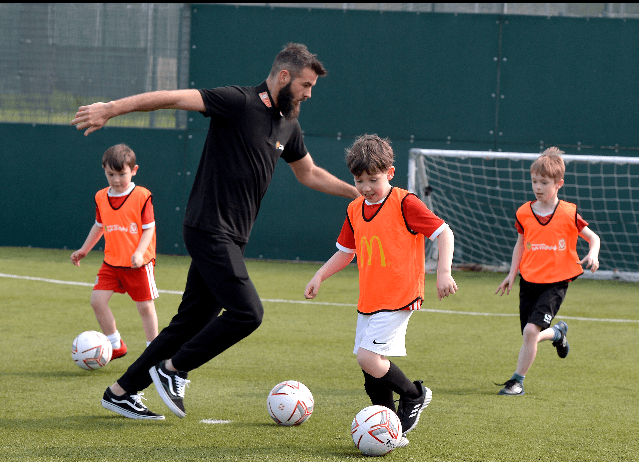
92 117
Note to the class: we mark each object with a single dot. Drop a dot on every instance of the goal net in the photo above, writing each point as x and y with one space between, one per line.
478 194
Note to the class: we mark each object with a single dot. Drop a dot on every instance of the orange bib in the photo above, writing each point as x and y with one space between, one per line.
550 250
390 258
123 227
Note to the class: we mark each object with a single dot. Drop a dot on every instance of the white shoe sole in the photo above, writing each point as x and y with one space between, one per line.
131 415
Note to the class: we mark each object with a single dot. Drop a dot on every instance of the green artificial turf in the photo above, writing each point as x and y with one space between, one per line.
582 408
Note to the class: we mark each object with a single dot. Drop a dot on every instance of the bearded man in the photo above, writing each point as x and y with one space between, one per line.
250 129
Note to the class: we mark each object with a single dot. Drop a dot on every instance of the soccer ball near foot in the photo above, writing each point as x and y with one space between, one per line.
91 350
376 430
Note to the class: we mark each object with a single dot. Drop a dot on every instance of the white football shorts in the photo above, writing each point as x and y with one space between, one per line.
382 333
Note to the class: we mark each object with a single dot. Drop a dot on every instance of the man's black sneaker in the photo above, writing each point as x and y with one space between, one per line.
511 388
562 344
128 405
409 409
170 385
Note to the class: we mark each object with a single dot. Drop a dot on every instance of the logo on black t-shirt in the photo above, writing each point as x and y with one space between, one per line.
265 99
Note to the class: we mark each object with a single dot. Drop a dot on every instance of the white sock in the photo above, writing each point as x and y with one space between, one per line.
148 343
115 340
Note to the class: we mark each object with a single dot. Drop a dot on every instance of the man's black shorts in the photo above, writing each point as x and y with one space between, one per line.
539 303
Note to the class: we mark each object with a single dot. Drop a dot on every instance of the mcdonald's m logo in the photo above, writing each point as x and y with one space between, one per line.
368 245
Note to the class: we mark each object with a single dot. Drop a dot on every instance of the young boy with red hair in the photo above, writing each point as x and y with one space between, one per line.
546 256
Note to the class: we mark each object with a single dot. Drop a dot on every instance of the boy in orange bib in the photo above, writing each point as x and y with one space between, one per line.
124 216
546 256
385 227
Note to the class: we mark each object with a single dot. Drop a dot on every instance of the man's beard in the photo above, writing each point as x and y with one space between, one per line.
287 106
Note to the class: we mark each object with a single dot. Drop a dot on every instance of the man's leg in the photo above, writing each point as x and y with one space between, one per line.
197 308
226 276
220 265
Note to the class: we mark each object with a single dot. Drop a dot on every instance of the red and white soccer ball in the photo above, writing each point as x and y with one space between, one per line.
290 403
91 350
376 430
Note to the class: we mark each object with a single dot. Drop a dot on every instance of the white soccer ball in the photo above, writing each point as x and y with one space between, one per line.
91 350
290 403
376 430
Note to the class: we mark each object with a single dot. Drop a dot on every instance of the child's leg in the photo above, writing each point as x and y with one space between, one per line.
414 397
373 363
149 319
386 373
379 392
100 304
532 336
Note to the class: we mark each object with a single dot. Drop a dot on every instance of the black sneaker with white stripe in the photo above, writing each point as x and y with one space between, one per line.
409 409
128 405
170 386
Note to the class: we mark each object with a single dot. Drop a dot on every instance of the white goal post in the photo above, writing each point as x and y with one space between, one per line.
477 193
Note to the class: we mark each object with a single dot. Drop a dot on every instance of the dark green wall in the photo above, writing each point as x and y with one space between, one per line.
480 82
51 174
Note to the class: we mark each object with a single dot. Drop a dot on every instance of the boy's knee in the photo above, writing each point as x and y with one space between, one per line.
145 308
531 331
97 305
100 299
370 362
532 328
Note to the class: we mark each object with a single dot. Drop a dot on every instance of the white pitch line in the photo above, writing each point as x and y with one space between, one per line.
54 281
72 283
308 302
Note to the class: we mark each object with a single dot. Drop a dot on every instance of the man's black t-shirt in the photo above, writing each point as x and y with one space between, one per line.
246 137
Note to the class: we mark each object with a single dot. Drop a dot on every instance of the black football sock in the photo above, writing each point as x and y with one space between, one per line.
399 383
379 392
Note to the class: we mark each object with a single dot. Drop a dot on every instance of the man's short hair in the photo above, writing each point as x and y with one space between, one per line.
294 58
118 156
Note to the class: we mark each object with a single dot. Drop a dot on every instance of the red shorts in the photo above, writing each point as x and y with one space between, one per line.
139 283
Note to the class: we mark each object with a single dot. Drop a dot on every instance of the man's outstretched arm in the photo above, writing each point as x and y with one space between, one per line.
96 115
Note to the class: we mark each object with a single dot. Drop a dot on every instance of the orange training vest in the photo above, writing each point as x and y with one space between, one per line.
123 227
550 250
390 258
